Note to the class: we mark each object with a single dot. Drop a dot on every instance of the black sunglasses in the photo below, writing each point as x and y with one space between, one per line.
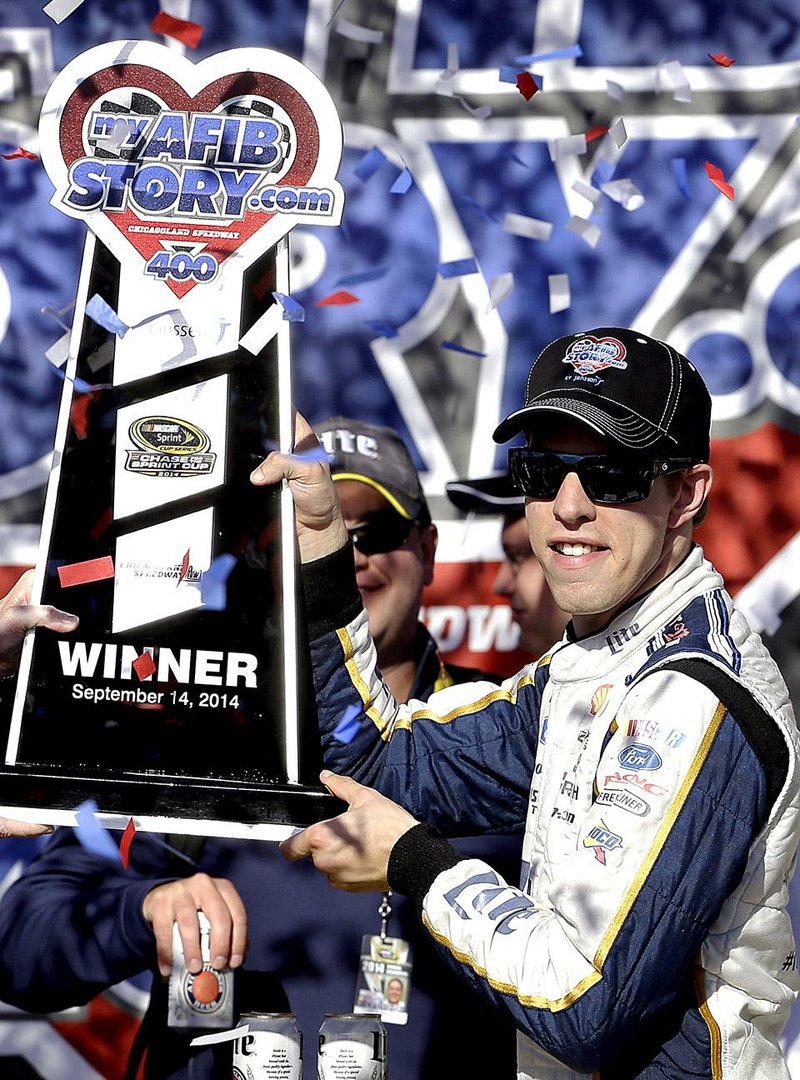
606 479
386 531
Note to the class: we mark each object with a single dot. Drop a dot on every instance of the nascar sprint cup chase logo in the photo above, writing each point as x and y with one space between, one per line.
168 447
188 165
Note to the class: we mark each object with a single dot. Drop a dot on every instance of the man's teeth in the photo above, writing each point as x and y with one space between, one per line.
575 549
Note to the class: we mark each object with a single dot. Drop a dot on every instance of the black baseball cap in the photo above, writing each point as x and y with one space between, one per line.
376 456
636 391
495 494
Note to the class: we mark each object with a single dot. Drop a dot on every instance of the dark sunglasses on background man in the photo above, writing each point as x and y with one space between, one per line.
386 531
606 478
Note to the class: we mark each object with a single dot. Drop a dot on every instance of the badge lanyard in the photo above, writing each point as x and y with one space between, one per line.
384 975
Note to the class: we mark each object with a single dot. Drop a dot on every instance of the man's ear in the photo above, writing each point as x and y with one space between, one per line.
693 491
428 539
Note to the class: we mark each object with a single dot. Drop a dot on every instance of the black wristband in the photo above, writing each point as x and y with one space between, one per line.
417 859
331 594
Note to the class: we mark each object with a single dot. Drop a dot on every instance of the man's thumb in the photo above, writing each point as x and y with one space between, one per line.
343 787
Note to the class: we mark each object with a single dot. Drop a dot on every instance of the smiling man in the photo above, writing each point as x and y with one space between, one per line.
653 754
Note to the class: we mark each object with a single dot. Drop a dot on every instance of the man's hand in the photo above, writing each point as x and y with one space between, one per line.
353 849
17 615
320 528
179 901
9 827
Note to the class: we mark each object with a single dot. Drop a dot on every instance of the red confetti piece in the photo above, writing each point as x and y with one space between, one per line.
80 573
526 84
596 132
180 29
721 59
20 153
101 524
126 841
717 178
342 296
184 568
79 413
144 666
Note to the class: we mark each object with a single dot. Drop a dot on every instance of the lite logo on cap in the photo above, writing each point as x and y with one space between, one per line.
590 354
338 440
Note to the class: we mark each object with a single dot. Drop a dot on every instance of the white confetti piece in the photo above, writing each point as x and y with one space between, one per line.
587 191
355 32
618 133
671 72
587 230
624 192
529 227
614 90
480 112
58 10
568 146
58 353
499 289
560 298
452 58
221 1036
263 330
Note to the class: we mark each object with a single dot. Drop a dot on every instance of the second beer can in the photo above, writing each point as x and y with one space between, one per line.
271 1050
352 1046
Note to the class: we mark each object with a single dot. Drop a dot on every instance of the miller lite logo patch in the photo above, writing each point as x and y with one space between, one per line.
589 354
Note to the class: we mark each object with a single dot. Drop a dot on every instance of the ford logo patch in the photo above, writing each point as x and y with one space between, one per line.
639 756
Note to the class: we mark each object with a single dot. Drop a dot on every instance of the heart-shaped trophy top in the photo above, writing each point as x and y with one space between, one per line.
186 164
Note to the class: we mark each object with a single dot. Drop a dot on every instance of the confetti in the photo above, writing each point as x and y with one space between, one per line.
453 346
382 329
457 268
125 843
101 524
184 566
348 727
314 453
624 192
91 834
81 573
499 289
614 90
526 84
717 178
58 10
587 191
402 183
603 171
721 59
20 153
618 133
508 74
221 1036
681 174
58 353
292 310
104 315
587 230
338 299
179 29
568 146
481 112
560 298
263 330
567 53
676 79
445 85
596 132
452 58
529 227
369 164
364 276
355 32
213 584
144 666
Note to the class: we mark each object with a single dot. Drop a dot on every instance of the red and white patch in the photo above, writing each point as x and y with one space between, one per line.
589 354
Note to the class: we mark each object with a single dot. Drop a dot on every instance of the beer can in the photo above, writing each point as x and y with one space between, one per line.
204 999
352 1046
271 1050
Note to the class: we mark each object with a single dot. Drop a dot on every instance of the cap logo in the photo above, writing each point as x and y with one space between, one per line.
589 355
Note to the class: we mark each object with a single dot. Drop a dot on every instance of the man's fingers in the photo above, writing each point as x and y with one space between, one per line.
297 846
10 827
46 615
343 787
238 942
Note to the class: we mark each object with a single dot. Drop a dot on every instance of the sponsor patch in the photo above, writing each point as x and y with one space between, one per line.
589 354
625 800
635 782
601 839
639 756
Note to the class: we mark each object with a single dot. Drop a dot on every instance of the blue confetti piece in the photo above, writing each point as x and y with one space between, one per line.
453 346
466 200
292 311
365 275
402 183
603 171
348 727
315 453
384 329
91 834
369 164
570 52
104 315
508 74
680 172
214 582
457 268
